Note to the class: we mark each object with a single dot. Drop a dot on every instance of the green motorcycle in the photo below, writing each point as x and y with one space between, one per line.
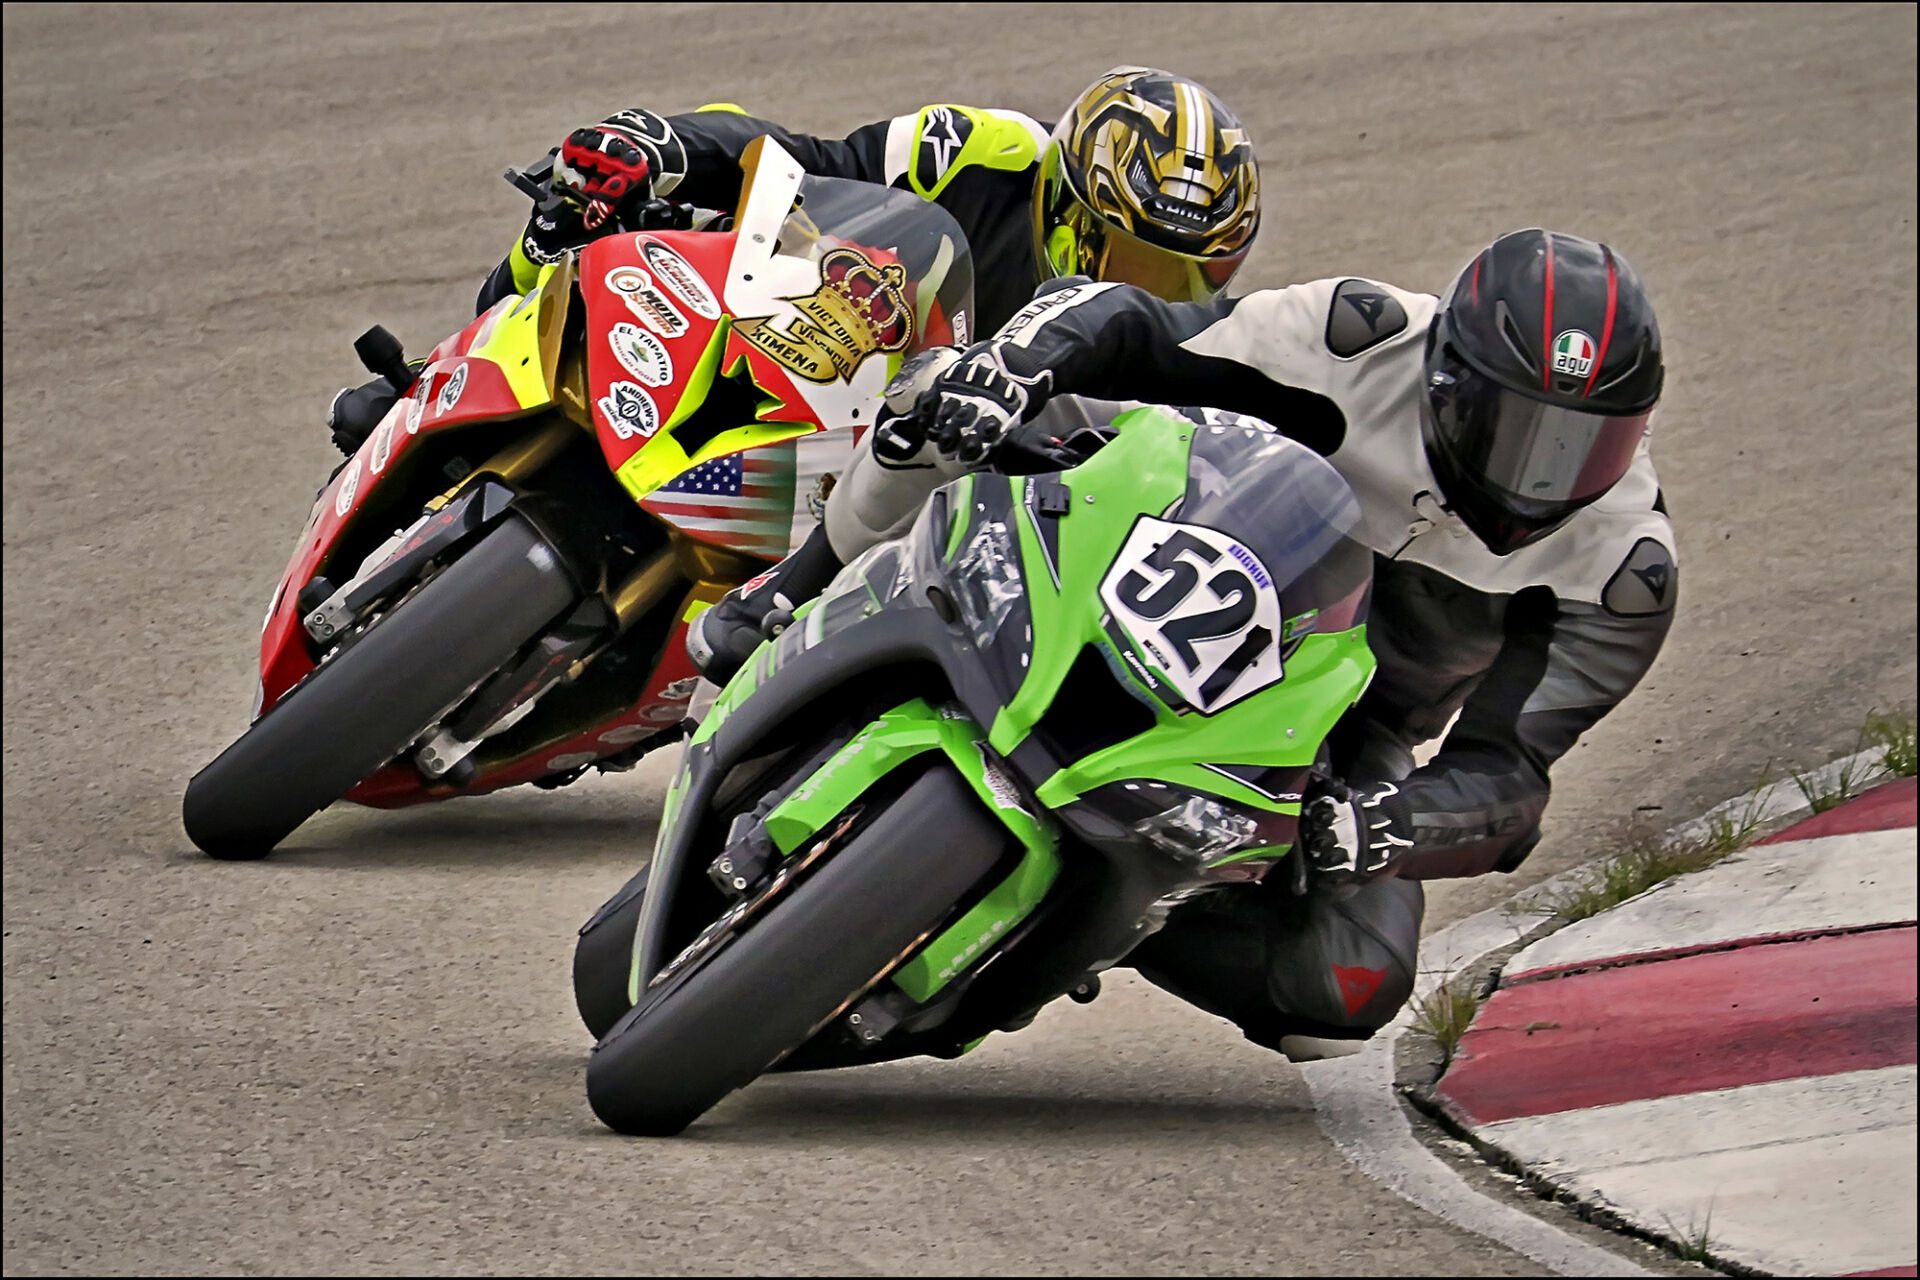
982 765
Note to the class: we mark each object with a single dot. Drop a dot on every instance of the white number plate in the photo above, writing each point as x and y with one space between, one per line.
1202 609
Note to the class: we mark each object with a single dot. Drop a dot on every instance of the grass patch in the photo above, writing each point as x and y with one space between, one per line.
1894 733
1694 1243
1443 1014
1647 859
1731 831
1851 781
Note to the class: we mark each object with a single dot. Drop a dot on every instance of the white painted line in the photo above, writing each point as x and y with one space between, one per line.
1801 1177
1833 882
1744 1118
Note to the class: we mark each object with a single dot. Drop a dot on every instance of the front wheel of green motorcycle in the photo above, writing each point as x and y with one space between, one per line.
767 990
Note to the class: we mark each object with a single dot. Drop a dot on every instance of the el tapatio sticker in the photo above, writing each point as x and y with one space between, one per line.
641 354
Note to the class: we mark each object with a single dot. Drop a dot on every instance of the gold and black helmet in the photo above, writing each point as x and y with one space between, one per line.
1149 180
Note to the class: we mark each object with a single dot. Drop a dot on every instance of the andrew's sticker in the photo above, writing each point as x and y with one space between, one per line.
635 288
450 394
641 354
629 411
1573 354
682 280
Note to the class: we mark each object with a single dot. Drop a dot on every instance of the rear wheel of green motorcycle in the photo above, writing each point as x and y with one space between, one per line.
371 701
768 989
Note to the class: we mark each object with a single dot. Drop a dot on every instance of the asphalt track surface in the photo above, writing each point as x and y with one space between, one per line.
361 1053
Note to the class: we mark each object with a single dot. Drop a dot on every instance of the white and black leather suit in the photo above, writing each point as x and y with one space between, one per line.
1529 649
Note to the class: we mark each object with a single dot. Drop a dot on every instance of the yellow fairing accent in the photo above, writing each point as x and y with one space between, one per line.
662 459
993 144
525 344
725 106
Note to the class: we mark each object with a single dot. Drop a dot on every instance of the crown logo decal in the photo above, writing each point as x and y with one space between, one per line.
859 309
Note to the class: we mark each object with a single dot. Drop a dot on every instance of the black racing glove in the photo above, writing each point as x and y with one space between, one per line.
900 430
1354 835
978 402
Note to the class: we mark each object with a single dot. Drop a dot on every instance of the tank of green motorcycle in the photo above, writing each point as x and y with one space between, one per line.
1188 606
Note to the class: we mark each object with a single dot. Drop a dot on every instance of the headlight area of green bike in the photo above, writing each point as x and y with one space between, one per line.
1131 663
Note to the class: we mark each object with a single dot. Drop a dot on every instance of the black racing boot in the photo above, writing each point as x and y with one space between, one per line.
356 411
722 638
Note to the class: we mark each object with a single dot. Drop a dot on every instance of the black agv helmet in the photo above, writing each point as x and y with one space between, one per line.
1543 365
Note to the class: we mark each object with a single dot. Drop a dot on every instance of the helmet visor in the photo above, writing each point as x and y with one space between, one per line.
1172 276
1542 459
1074 240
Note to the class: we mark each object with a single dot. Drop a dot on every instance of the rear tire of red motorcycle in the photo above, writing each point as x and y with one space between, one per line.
371 702
767 990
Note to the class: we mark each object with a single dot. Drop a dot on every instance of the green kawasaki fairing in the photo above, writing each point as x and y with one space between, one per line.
1162 635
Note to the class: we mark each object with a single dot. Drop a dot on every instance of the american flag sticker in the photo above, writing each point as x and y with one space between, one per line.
743 501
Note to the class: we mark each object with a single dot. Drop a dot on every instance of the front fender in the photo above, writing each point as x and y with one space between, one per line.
900 735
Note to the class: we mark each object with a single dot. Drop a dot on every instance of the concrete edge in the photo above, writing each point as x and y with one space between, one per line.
1782 799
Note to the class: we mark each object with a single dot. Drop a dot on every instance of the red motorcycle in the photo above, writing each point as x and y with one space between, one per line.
495 588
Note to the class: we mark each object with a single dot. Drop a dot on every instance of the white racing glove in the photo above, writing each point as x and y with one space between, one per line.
1353 836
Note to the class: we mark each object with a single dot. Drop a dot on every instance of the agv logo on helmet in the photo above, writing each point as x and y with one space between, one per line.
1573 354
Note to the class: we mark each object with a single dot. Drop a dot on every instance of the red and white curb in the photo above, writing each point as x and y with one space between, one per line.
1357 1108
1729 1055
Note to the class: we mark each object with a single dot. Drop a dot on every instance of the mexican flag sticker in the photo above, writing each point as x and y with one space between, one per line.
1573 354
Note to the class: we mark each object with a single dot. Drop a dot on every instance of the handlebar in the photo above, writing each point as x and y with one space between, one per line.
1025 451
536 183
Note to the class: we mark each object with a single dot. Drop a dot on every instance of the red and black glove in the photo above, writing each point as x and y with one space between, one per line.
603 167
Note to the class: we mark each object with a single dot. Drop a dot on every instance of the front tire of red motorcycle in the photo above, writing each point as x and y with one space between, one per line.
369 703
770 988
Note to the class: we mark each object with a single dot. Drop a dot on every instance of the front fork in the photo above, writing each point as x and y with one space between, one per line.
461 513
801 821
